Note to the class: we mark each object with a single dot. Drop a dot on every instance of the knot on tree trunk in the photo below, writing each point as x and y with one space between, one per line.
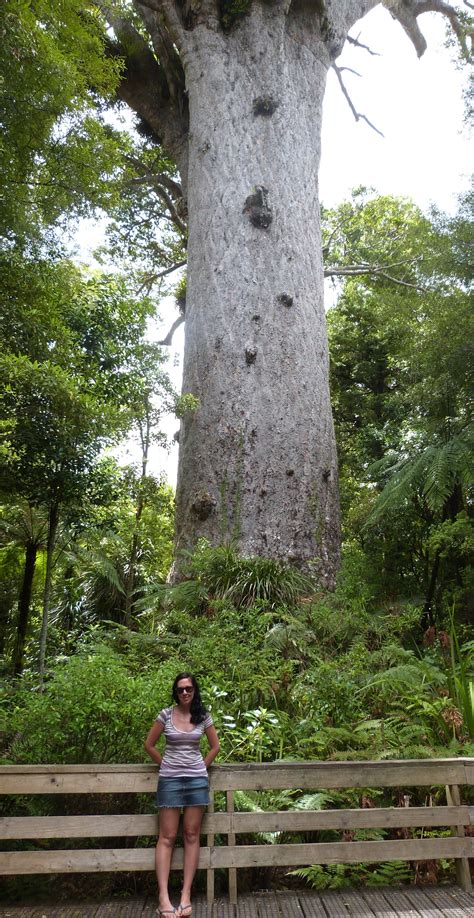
258 209
285 299
203 505
264 105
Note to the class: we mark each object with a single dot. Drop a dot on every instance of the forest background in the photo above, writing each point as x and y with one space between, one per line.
91 634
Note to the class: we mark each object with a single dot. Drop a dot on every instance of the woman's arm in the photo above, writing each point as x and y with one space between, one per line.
152 739
214 745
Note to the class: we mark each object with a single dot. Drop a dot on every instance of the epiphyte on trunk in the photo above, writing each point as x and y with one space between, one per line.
250 355
264 105
258 209
203 505
285 299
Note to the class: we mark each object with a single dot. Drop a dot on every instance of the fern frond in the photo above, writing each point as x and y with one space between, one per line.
434 473
316 801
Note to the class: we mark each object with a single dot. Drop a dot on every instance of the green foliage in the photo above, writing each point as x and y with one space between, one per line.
334 876
341 876
220 573
180 293
232 11
186 404
435 474
461 679
402 387
92 710
54 153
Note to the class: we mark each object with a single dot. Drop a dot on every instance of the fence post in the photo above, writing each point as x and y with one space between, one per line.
210 843
463 873
231 841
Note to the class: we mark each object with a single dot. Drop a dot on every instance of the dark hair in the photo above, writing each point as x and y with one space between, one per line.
198 711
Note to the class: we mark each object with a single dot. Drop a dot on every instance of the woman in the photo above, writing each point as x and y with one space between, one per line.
183 784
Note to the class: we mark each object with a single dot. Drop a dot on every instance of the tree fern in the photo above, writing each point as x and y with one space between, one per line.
434 473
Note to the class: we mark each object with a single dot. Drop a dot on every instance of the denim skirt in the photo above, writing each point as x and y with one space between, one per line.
183 791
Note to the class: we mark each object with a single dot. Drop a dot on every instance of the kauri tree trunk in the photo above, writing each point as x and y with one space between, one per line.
257 459
233 92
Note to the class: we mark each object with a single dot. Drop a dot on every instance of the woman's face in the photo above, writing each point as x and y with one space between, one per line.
185 690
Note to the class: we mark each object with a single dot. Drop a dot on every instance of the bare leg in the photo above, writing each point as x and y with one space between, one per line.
169 821
191 830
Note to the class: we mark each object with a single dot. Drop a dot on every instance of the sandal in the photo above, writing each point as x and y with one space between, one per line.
161 912
185 911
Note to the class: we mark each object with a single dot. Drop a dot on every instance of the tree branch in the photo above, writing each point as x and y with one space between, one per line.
165 49
358 44
146 171
169 337
144 87
357 115
374 270
437 6
407 12
151 279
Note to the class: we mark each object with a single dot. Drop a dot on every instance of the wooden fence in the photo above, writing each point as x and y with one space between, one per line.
125 779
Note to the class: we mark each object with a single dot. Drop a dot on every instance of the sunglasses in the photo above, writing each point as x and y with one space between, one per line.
184 688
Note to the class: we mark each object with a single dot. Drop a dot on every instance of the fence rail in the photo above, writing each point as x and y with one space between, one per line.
117 779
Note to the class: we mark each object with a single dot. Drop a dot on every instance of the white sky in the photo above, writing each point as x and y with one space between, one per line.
424 154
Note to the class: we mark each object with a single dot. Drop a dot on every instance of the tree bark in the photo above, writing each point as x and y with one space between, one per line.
130 580
24 603
50 545
257 459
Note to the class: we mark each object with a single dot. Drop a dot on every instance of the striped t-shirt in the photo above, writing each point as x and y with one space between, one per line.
182 753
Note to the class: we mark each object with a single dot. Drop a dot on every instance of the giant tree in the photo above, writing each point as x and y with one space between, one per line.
233 91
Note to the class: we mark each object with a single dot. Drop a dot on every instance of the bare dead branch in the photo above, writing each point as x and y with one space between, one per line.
169 337
358 44
357 115
350 70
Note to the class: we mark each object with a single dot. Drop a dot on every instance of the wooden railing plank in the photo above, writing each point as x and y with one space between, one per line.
118 782
17 827
272 775
210 841
117 859
91 860
463 872
231 842
132 779
306 776
377 818
341 852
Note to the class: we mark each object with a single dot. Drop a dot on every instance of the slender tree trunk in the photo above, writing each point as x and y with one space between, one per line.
24 603
145 436
428 617
257 459
50 545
